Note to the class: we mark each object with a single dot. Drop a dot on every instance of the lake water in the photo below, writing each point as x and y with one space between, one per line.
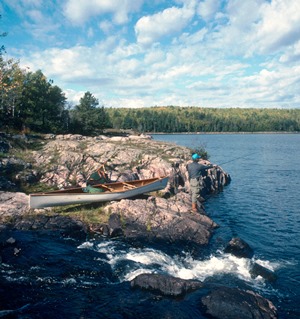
262 203
57 277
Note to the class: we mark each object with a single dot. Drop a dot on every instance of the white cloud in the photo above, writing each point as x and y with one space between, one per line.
153 57
150 29
292 54
79 11
194 38
73 96
106 26
279 26
251 28
240 53
35 20
66 64
230 31
208 9
124 102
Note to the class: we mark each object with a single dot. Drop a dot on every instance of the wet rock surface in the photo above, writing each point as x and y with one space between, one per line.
239 248
165 285
232 303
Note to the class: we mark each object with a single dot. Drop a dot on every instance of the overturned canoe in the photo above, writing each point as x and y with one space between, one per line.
98 193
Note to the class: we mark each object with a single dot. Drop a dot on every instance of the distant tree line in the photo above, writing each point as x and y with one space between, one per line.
175 119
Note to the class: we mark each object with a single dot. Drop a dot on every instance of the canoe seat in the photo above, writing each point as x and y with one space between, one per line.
107 187
128 186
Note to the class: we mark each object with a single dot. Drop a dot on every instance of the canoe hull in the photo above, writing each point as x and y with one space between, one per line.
60 198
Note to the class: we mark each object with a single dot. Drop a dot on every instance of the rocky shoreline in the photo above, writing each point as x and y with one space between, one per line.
65 160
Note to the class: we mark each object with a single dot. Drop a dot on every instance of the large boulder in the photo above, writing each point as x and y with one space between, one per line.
239 248
65 160
159 219
233 303
165 284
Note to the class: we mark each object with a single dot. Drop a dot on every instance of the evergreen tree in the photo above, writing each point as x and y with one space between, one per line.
87 118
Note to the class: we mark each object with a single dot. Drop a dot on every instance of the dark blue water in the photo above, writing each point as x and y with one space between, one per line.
58 277
262 203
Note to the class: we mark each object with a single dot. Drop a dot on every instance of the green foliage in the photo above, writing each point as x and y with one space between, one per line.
90 214
195 119
87 118
42 105
29 102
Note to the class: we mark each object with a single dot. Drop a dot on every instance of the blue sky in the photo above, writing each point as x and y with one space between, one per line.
140 53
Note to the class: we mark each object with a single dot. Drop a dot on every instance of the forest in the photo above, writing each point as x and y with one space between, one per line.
176 119
31 103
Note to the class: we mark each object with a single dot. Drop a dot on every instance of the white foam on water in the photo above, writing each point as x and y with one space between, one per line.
149 260
69 281
148 257
17 279
268 264
191 268
86 245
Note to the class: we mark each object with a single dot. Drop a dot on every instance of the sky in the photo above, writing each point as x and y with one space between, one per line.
141 53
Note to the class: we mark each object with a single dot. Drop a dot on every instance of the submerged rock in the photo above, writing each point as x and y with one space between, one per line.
4 146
